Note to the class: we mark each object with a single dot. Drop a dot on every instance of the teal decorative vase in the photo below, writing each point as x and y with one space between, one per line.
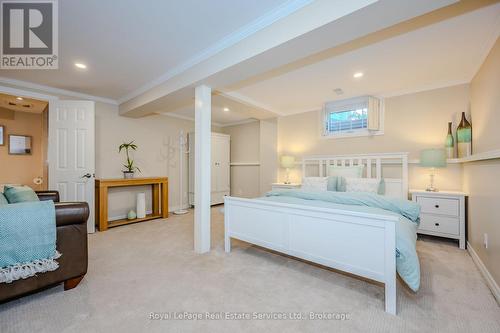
449 144
464 138
131 215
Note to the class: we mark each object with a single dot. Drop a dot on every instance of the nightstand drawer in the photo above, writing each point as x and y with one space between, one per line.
441 224
442 206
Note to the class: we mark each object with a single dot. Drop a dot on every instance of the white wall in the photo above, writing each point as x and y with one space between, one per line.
412 122
245 149
254 142
268 154
482 178
157 139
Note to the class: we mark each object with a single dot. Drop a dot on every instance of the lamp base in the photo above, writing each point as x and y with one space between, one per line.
431 187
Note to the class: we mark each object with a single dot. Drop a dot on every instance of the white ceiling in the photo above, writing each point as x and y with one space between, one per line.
442 54
129 43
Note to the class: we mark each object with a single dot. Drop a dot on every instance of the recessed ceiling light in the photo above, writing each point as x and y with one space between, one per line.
226 109
357 75
80 65
19 98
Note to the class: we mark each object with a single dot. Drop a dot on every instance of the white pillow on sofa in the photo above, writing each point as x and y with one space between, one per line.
314 183
370 185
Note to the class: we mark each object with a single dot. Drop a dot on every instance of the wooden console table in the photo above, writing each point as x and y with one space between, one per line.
160 199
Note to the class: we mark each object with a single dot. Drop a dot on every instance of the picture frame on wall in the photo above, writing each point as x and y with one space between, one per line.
2 135
20 144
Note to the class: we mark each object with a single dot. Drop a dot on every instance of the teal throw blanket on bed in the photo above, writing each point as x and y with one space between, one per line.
407 263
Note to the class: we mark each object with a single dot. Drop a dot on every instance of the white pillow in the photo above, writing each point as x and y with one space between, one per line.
314 183
370 185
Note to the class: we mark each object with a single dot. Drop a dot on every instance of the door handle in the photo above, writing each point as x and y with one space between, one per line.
87 175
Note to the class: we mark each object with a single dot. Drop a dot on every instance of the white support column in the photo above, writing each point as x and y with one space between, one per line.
202 163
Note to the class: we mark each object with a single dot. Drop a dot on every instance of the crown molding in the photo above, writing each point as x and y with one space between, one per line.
241 122
258 24
249 101
423 88
55 91
178 116
488 44
381 96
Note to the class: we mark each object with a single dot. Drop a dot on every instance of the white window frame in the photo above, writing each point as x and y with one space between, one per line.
323 114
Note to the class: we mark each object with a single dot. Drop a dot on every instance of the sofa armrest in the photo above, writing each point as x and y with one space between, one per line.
68 213
48 195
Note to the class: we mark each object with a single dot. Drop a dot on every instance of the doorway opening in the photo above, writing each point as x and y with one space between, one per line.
23 141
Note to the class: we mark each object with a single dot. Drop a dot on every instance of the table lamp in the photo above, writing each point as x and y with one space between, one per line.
432 158
287 162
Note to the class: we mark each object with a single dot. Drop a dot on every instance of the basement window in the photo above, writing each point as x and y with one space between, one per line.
360 116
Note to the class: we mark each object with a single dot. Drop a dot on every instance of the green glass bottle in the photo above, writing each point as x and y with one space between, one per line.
449 143
464 138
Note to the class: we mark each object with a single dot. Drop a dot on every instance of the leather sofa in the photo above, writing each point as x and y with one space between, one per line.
71 226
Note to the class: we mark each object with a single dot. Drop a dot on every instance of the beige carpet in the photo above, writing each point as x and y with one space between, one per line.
150 267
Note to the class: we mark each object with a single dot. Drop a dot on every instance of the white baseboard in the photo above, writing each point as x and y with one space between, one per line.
492 284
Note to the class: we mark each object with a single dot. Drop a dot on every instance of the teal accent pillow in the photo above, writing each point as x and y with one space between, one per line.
381 187
332 183
341 184
3 199
15 194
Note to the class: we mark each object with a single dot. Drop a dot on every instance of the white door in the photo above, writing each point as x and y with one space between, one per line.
223 167
72 152
215 163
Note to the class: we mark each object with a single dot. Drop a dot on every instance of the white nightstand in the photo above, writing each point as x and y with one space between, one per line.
283 186
442 214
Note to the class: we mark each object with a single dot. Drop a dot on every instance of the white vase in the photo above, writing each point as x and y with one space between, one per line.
141 205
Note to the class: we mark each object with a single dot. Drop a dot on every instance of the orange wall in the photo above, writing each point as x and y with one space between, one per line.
21 169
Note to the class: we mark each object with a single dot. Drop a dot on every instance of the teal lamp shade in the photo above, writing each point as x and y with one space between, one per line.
287 161
433 158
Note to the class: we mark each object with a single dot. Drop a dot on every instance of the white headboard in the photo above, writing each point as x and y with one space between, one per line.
395 186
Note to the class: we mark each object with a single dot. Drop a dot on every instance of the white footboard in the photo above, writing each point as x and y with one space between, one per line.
359 243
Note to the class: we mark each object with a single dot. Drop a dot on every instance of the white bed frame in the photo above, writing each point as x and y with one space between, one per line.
359 243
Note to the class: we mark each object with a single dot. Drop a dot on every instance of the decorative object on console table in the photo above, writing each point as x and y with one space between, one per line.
159 186
141 205
283 186
464 138
130 167
432 158
131 215
449 143
287 162
442 214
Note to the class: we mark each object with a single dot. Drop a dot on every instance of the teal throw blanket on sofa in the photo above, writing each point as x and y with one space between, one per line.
27 240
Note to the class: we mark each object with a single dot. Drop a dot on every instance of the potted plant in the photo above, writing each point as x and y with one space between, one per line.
130 167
